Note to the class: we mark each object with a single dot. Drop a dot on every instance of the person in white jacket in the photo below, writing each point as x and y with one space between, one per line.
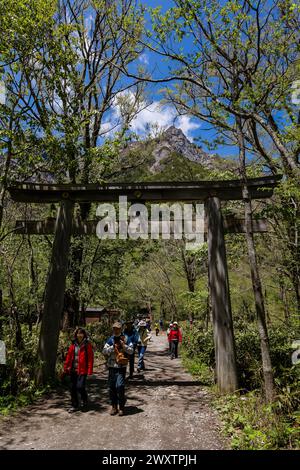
144 337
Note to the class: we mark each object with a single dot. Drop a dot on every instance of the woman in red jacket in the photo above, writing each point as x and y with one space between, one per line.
175 337
79 364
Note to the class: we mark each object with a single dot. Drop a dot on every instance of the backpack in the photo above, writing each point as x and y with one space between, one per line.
121 358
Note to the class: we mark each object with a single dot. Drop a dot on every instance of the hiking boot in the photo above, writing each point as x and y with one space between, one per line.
121 412
73 409
113 411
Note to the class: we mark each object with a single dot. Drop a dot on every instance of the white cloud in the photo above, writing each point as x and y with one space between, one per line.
187 125
163 117
155 116
144 59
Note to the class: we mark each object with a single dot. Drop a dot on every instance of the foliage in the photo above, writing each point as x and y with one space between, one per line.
231 71
253 425
248 420
198 345
198 369
17 377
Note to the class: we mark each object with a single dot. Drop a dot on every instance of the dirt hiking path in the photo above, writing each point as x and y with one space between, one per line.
166 409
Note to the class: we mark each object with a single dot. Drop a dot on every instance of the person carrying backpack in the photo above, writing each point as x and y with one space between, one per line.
144 338
78 364
116 350
175 337
132 336
168 335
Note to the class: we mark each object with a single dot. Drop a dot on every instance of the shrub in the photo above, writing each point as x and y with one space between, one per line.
17 377
198 344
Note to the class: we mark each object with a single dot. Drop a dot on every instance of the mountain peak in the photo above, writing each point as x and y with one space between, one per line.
173 140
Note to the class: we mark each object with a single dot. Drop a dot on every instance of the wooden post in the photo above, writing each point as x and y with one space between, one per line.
226 371
54 294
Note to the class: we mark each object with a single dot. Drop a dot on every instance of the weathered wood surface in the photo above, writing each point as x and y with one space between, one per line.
226 372
46 227
259 188
54 293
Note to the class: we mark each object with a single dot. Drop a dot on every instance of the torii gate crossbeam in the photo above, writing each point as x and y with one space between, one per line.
211 192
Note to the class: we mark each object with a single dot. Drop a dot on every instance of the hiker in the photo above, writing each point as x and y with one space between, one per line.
156 326
116 350
161 324
145 336
79 364
168 336
175 337
132 336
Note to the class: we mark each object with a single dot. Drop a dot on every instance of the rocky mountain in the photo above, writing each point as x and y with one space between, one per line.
172 141
170 156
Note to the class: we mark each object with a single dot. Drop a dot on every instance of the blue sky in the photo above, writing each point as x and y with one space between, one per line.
165 116
155 113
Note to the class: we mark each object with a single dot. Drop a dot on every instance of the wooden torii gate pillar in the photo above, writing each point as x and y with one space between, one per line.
225 355
209 191
55 289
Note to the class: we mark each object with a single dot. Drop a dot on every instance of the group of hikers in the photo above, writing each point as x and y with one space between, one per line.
119 351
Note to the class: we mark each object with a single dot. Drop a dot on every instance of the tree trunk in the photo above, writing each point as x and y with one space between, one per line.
18 329
189 263
4 176
269 387
296 285
226 370
54 292
260 307
76 258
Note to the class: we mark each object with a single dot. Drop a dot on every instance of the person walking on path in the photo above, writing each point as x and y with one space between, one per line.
168 336
79 364
175 337
116 350
144 338
132 336
156 326
161 325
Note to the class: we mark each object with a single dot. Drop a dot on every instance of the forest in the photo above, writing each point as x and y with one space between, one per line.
73 90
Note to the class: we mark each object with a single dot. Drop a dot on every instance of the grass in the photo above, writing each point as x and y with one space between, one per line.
248 422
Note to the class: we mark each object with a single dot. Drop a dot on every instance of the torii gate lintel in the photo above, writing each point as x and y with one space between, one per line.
210 192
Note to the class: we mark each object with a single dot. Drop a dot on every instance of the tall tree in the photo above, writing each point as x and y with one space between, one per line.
69 91
237 76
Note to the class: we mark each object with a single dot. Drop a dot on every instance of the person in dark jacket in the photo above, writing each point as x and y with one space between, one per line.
175 337
132 336
79 364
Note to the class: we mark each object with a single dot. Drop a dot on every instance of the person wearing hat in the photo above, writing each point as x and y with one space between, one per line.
116 350
168 336
175 337
132 336
144 337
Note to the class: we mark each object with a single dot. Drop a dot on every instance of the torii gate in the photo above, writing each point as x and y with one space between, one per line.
209 192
